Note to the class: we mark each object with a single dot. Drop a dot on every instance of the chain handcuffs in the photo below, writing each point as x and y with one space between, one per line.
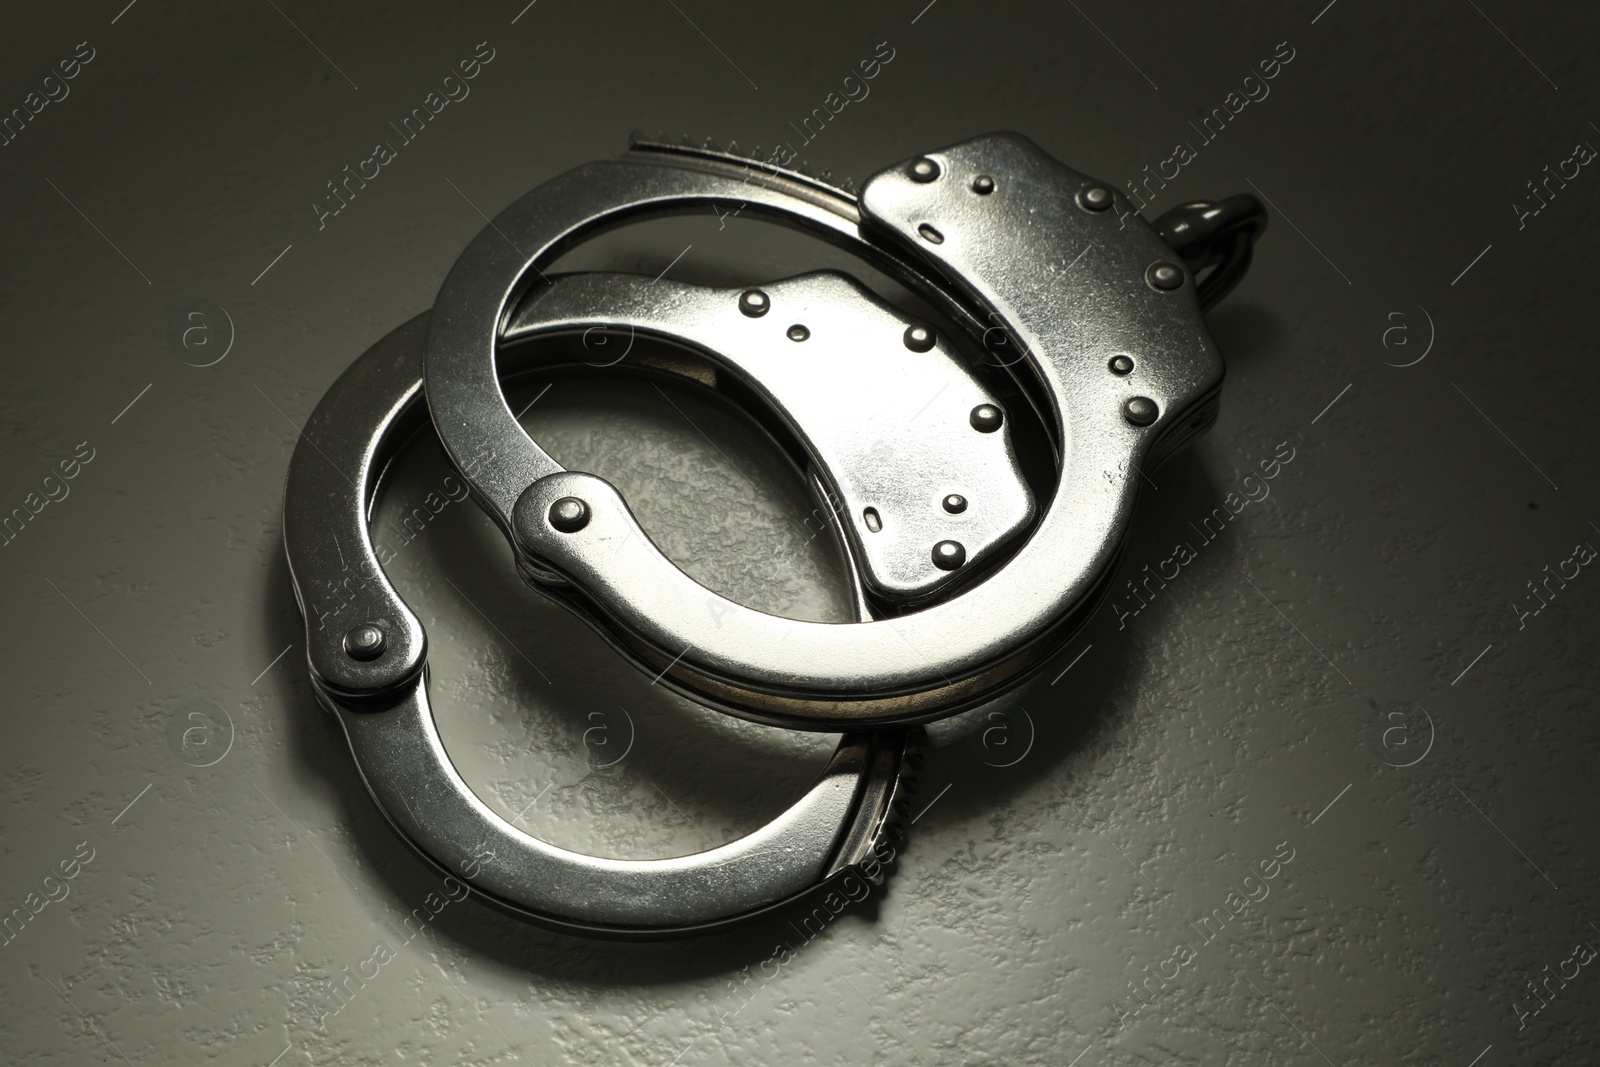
967 574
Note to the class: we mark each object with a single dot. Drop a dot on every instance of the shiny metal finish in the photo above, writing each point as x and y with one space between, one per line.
1066 286
919 338
949 555
835 828
893 442
338 577
1164 276
985 418
365 642
1217 238
839 826
464 397
754 302
569 514
1141 410
1095 198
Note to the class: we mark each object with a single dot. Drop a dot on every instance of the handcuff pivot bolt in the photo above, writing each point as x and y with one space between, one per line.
365 642
955 503
924 170
569 514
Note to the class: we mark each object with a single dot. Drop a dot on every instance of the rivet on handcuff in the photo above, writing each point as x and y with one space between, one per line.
968 570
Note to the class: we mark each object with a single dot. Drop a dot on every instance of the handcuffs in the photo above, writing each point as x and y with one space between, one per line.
967 571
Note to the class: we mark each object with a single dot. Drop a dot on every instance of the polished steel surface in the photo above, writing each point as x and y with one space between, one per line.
1317 680
337 573
1064 284
403 762
885 425
464 398
381 701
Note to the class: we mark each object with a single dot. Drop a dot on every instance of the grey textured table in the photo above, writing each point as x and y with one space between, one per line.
1326 796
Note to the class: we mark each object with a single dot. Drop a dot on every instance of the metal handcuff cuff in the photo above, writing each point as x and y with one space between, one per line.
964 582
